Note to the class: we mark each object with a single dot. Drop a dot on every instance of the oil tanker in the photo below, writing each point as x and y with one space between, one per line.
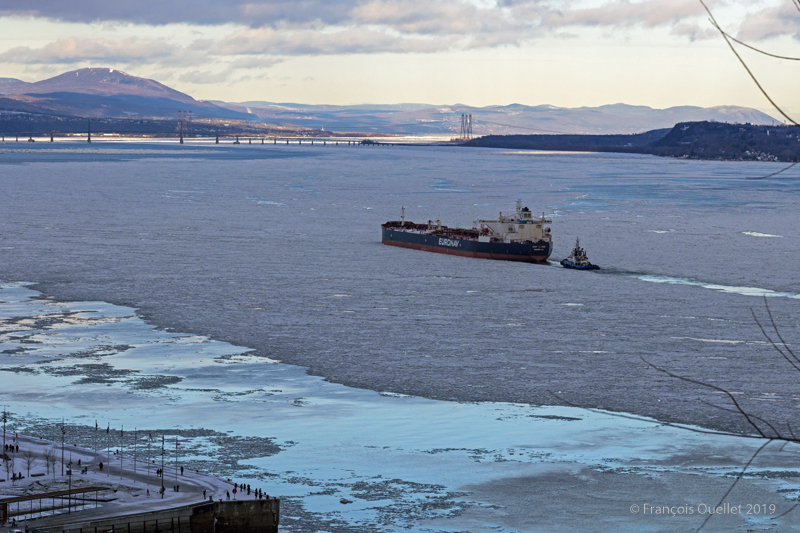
514 237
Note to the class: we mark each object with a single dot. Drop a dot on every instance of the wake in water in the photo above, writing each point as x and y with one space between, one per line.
671 280
744 291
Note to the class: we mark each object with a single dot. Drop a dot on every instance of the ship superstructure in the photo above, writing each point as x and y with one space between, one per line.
512 237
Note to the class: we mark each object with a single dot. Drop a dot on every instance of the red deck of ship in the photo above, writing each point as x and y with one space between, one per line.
444 231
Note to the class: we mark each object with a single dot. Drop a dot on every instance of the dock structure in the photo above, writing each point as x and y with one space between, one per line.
112 495
234 516
44 503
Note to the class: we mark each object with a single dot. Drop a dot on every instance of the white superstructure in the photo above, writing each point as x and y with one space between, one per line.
518 227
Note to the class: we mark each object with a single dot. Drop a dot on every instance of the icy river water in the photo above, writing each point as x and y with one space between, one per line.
239 299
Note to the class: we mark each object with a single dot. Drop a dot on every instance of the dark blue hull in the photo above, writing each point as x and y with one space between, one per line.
570 264
529 252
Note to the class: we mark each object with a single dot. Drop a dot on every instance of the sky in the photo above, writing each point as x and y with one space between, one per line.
567 53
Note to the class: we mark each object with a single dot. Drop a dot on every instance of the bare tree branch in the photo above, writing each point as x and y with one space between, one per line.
774 344
651 421
47 455
794 439
734 39
696 382
741 473
749 72
775 173
792 508
781 347
777 331
29 458
778 436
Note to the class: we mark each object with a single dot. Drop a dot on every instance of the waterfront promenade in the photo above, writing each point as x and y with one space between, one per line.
127 490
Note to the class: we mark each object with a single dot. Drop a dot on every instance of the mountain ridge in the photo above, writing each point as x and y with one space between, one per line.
99 81
495 120
111 93
106 92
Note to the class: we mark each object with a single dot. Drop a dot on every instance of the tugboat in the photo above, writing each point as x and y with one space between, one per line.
578 259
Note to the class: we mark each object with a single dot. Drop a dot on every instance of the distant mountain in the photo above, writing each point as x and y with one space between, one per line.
106 92
494 120
7 82
110 93
119 106
101 81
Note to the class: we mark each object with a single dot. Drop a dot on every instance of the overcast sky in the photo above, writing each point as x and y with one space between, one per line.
567 53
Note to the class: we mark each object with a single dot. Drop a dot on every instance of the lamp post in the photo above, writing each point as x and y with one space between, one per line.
69 492
5 416
176 459
63 435
162 467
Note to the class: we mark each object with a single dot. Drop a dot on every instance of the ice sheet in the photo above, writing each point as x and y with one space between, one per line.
391 455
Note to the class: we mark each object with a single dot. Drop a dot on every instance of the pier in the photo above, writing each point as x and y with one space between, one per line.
101 492
242 516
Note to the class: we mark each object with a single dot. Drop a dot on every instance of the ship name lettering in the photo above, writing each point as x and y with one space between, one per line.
449 242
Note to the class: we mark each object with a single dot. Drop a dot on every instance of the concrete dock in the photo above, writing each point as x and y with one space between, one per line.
87 499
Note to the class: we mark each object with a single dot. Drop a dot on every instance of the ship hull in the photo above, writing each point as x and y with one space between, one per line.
575 266
536 252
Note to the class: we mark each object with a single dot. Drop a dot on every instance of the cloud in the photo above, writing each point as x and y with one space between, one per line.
771 22
695 32
432 18
229 74
311 42
205 77
75 50
284 28
406 16
255 63
648 14
203 12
